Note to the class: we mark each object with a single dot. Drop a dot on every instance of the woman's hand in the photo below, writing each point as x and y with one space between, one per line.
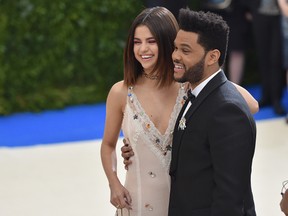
120 196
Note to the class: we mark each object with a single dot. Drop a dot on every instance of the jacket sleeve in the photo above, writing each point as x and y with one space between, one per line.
232 143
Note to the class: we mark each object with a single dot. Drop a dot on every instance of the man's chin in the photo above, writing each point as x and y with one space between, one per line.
179 79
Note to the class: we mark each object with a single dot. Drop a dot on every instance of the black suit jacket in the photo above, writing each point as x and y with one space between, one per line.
211 159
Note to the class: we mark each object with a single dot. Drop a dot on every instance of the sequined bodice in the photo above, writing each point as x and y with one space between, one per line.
147 179
138 124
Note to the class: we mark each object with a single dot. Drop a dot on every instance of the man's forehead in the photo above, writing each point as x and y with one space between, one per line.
185 37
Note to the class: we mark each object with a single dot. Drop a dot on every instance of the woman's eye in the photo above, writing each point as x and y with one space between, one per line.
152 41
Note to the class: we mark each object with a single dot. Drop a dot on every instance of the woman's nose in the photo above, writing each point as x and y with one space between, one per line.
144 47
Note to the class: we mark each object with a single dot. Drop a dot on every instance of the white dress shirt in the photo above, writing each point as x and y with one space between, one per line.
198 89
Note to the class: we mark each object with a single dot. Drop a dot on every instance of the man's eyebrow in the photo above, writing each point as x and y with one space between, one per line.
184 45
181 44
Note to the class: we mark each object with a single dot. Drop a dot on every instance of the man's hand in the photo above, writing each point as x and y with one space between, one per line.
284 203
127 152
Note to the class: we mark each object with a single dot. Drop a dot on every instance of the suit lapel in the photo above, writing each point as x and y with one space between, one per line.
177 134
215 82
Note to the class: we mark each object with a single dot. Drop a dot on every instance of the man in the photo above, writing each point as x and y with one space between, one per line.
212 155
284 201
266 23
214 136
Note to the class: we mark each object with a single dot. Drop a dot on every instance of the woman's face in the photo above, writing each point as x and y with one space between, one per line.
145 48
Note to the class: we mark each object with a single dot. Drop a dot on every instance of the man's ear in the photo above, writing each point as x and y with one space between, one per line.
213 57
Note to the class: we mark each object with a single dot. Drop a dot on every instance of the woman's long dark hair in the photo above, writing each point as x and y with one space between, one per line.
164 27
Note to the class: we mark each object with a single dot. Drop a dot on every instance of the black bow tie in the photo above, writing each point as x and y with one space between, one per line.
191 97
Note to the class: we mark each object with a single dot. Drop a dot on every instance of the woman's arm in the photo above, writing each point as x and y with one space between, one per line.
251 101
283 4
115 103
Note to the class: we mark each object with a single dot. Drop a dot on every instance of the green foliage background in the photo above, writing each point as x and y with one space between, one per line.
59 53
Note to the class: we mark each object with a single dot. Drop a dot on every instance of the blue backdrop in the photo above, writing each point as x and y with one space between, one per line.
85 122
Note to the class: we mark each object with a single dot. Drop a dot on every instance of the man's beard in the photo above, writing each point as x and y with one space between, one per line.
194 74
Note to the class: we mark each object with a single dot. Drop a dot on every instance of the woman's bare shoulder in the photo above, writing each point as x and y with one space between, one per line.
119 88
118 94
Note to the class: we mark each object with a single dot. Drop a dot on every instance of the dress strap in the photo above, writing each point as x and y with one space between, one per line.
130 93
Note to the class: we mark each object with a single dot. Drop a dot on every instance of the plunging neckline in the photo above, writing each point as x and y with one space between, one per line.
147 119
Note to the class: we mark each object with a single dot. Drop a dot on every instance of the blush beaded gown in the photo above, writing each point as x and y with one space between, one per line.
147 178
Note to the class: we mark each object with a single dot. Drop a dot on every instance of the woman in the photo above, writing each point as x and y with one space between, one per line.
146 105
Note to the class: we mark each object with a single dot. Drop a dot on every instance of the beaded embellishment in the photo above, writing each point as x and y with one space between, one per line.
182 123
159 144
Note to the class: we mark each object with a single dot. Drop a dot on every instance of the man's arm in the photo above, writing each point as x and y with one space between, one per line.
232 142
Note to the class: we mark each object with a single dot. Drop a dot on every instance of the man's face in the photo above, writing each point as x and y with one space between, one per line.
188 58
